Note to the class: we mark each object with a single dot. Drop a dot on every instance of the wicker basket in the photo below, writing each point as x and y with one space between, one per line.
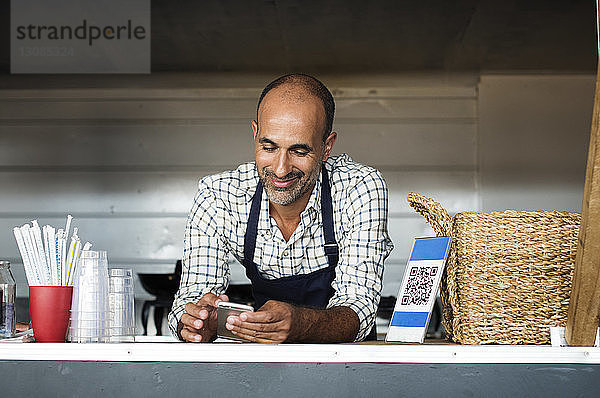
508 275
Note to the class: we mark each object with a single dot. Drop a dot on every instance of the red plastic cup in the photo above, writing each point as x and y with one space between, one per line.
50 307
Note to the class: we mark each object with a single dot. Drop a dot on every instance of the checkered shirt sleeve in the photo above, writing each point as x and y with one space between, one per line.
205 252
364 245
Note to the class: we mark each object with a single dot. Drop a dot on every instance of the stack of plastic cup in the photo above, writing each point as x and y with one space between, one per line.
121 299
90 307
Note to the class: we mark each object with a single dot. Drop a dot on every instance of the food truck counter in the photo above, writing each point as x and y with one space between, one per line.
226 369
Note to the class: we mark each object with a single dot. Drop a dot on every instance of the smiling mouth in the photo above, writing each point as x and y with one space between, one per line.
282 183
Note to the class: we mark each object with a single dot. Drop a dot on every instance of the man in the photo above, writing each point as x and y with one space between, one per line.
313 244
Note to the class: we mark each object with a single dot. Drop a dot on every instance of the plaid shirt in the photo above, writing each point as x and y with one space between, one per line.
217 224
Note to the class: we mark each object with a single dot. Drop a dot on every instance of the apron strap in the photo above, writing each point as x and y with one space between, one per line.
252 226
331 247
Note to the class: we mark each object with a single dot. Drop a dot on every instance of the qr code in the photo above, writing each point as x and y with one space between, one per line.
419 285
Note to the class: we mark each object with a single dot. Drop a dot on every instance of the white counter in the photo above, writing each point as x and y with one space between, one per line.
299 353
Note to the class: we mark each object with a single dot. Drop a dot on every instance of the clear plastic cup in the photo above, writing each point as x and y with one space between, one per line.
121 304
89 339
90 301
91 323
121 280
90 310
128 338
121 272
90 316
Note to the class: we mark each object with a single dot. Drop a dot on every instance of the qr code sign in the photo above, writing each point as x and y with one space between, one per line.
419 285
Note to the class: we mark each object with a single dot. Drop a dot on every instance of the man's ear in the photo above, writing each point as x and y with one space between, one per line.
254 128
329 145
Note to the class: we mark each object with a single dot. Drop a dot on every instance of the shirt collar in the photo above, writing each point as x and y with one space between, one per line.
313 206
314 201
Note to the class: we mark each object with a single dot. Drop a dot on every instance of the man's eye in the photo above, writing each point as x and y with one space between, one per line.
300 153
268 148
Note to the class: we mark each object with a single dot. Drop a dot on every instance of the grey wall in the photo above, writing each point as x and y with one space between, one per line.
151 379
534 133
123 154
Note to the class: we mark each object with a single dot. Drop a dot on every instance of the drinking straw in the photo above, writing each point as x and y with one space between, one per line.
49 257
25 232
68 226
70 256
73 266
37 238
66 237
36 233
52 248
32 277
87 246
63 249
29 245
59 249
46 242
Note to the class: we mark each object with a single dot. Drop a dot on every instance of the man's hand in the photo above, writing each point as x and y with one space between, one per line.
199 321
278 322
272 323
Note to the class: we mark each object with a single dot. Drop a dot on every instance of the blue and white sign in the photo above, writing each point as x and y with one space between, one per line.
80 36
418 290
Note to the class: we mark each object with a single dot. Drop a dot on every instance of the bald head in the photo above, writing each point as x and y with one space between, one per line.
300 88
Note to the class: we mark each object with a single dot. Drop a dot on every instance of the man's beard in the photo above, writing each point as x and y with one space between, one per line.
287 195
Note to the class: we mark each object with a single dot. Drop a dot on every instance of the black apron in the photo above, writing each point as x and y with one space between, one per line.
307 290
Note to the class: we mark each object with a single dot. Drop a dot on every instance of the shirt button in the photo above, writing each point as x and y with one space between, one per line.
285 253
267 233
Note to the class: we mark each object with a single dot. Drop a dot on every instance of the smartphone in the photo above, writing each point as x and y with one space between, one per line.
225 309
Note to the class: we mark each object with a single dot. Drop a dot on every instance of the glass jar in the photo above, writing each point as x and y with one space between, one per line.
8 290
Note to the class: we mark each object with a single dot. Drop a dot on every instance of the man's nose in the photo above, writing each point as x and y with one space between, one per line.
282 165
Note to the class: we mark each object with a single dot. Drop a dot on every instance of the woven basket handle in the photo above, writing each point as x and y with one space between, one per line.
433 212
